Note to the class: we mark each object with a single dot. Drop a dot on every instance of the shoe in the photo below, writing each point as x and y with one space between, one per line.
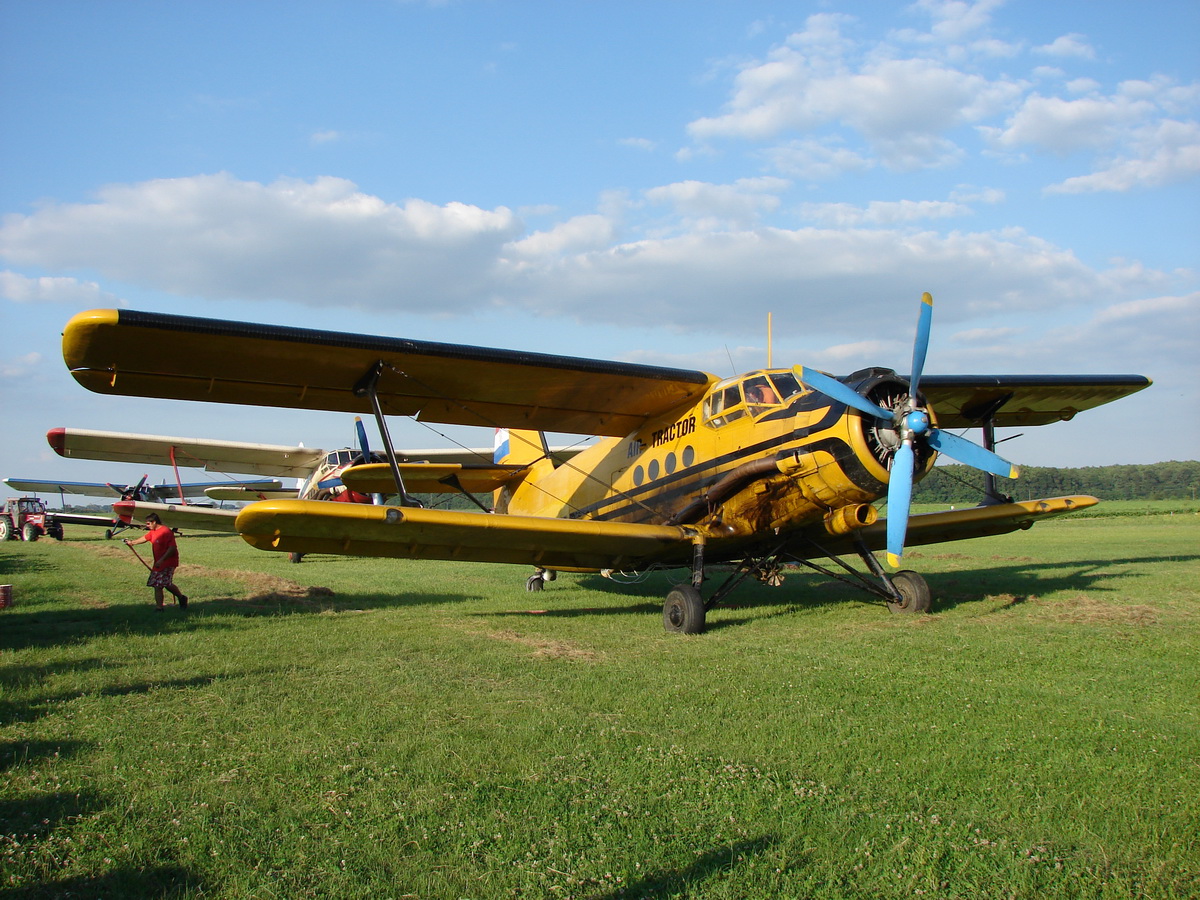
158 609
183 601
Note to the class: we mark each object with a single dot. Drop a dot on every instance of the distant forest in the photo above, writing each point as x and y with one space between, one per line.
1159 481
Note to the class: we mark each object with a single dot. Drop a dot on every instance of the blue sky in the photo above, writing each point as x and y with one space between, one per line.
638 181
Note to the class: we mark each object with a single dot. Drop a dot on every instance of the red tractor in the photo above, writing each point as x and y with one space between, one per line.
27 517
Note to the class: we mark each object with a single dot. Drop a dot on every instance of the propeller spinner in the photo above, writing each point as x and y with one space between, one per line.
912 424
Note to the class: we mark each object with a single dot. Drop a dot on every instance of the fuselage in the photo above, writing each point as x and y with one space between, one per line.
759 455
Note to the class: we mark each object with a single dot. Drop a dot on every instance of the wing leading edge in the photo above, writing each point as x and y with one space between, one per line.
180 357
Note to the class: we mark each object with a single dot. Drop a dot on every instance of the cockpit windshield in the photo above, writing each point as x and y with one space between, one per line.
750 394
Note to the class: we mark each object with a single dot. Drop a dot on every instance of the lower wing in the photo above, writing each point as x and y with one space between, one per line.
351 529
958 524
204 518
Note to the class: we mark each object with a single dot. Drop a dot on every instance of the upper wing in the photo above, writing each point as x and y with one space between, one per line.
355 529
85 488
962 401
204 518
184 358
215 456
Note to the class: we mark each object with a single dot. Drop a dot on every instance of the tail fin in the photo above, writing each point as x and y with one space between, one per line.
516 447
519 448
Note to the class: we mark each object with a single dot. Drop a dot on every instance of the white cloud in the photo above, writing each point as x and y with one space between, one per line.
1066 126
639 144
319 242
706 206
1162 155
325 137
325 244
19 366
880 212
577 235
1072 45
954 20
903 108
51 289
814 160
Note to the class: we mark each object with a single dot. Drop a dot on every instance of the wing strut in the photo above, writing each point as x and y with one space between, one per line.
367 386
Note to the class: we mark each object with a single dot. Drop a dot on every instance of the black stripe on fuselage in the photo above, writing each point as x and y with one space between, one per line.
686 481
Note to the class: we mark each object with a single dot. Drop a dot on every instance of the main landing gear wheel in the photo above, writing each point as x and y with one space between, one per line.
538 579
683 613
914 591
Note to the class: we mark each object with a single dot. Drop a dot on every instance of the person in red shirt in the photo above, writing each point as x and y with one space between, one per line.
166 560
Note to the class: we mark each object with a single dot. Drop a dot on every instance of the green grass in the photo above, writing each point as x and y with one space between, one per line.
359 728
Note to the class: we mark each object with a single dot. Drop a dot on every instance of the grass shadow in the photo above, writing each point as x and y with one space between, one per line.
161 881
679 882
12 712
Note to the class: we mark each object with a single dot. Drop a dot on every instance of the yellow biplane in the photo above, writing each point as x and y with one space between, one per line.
774 467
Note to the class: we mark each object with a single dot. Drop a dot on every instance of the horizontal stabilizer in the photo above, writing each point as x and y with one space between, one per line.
429 478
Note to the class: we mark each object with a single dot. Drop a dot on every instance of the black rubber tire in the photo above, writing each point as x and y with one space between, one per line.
30 532
535 582
683 612
6 529
295 557
915 591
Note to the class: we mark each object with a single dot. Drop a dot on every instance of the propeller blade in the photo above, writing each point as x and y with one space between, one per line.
835 390
921 344
900 484
971 454
363 447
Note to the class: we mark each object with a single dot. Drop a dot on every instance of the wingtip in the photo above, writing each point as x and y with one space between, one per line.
927 298
57 438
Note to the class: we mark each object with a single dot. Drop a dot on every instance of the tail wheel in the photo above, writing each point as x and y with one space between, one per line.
683 613
914 592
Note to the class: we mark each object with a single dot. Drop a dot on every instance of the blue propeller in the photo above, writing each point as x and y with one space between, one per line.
363 448
912 423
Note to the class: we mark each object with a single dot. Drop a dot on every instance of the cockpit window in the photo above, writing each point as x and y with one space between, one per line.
748 395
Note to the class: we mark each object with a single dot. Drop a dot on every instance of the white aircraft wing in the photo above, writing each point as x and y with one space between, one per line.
215 456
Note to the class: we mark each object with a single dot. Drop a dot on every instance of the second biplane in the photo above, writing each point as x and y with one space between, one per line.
776 466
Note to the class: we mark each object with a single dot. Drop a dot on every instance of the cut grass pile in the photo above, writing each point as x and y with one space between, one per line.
365 728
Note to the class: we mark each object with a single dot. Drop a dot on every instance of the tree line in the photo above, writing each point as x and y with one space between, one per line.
1157 481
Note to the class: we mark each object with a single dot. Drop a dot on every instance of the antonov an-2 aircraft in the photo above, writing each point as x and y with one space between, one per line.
776 466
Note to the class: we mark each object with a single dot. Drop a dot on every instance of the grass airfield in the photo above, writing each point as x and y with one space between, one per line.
363 728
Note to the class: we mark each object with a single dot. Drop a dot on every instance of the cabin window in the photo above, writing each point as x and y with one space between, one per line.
724 404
